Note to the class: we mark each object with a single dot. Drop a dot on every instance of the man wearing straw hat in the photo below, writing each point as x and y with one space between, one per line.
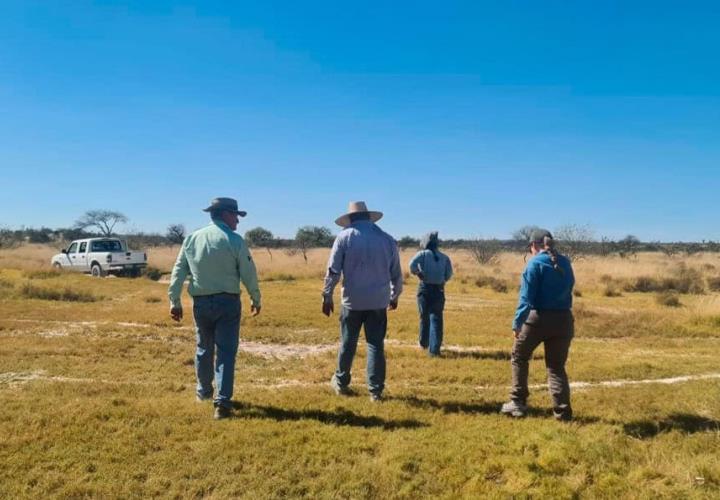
369 262
217 260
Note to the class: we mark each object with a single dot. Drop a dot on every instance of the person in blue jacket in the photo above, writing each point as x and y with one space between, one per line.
434 269
544 315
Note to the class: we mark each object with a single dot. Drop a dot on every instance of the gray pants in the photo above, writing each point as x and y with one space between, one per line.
555 329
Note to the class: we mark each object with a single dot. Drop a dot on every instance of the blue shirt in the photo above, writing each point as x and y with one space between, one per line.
369 262
544 288
434 272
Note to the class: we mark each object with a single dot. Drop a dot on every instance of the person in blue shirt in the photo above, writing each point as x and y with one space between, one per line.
544 315
434 269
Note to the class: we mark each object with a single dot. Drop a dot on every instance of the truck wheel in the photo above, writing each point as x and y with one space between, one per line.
97 271
57 266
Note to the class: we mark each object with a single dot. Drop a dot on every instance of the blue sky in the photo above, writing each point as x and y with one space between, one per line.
473 118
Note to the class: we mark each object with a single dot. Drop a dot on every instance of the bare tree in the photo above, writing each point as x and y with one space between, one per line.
575 240
104 220
485 252
175 233
523 234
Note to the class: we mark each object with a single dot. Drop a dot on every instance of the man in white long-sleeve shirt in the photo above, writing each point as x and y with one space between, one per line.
369 262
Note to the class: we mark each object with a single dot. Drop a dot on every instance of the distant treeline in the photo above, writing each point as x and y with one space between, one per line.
575 242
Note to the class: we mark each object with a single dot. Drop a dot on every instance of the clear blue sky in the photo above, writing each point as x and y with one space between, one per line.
473 118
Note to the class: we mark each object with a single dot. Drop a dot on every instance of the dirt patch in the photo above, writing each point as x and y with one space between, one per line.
285 351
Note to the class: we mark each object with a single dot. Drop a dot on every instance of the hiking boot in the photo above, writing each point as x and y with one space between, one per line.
563 417
514 409
222 412
340 390
376 397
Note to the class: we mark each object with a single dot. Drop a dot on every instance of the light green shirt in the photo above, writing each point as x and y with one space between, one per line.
217 260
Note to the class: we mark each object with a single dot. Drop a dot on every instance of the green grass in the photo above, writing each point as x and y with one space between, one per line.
98 401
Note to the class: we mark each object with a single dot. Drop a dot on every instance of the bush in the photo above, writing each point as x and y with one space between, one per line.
153 300
153 273
66 294
496 284
714 283
643 284
279 277
485 252
42 274
668 299
611 291
577 293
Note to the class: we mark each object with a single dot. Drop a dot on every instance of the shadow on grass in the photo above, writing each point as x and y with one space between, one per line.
483 408
339 417
498 355
683 422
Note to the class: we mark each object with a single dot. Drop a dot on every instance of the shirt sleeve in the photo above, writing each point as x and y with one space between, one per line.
448 269
180 271
396 278
415 263
248 274
529 287
334 267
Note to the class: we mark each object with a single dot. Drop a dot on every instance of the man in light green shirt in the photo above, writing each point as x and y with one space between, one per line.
217 260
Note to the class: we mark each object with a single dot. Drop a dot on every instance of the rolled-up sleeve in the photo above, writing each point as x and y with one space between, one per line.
334 267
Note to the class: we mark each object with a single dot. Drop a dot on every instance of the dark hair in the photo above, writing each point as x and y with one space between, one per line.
549 244
216 214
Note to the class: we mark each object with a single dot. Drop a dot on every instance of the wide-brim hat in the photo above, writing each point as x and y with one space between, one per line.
357 207
225 205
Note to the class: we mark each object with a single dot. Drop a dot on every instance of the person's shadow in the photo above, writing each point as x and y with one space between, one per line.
482 408
683 422
498 355
340 417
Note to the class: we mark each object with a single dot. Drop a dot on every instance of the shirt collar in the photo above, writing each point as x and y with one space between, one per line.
221 225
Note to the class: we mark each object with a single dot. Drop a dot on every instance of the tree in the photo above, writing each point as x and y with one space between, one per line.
261 238
485 252
175 233
575 240
104 220
523 234
628 246
312 237
408 242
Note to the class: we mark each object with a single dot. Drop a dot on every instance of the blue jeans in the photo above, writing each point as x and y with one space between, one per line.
431 302
375 323
217 324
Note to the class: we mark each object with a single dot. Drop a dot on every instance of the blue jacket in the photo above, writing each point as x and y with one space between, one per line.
544 288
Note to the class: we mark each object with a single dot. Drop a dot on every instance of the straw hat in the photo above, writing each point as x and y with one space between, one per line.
357 207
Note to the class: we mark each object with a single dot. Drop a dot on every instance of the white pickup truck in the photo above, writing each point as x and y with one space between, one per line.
100 256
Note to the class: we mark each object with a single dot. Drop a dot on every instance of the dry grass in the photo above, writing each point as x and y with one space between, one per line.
98 396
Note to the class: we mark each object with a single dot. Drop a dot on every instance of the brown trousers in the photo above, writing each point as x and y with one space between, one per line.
555 329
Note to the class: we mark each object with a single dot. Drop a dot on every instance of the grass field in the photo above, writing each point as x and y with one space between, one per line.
97 390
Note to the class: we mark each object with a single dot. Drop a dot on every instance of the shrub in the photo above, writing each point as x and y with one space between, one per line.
42 274
606 278
153 300
611 291
643 284
66 294
496 284
153 273
279 277
577 293
714 283
485 252
668 299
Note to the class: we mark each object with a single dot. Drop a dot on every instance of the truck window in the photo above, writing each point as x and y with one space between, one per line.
73 248
106 246
83 246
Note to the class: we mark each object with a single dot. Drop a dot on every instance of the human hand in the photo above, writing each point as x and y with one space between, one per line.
516 333
421 276
176 313
393 305
254 310
328 307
